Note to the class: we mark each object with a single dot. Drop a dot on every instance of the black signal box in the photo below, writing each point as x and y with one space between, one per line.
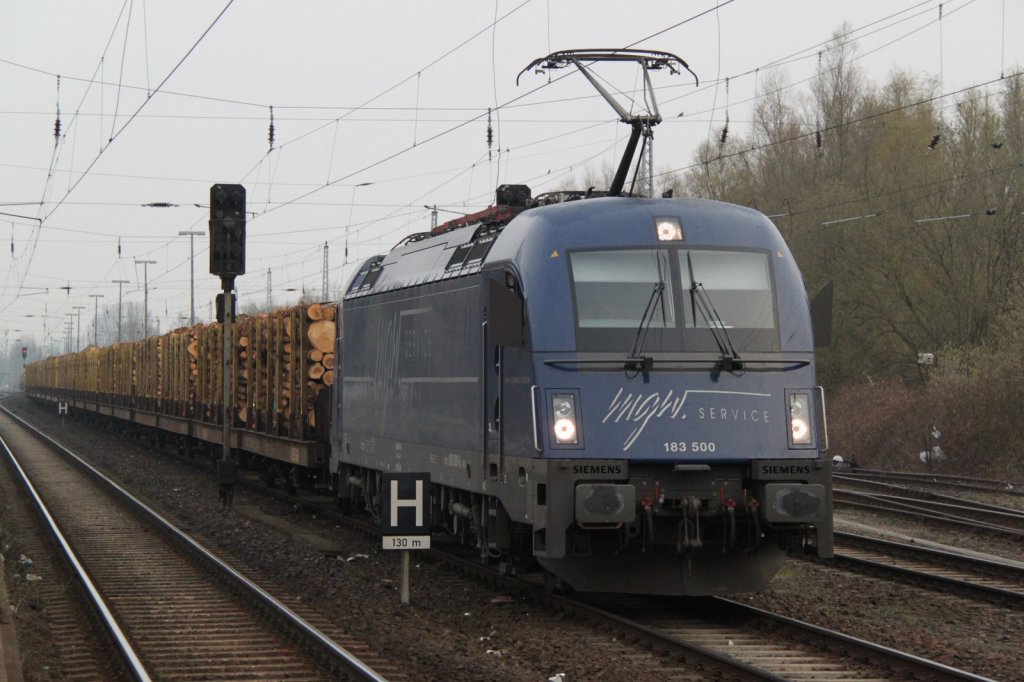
227 230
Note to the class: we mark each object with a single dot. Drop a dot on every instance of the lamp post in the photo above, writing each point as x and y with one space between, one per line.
78 332
119 283
96 319
145 306
192 234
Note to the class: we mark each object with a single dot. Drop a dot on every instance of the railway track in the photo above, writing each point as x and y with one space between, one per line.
986 485
730 641
932 507
726 638
716 636
773 646
693 640
167 606
1001 581
720 635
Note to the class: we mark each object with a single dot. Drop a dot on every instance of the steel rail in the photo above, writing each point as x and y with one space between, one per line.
335 652
898 551
932 670
131 659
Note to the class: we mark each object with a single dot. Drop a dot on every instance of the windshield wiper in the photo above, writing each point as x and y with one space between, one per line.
700 300
636 360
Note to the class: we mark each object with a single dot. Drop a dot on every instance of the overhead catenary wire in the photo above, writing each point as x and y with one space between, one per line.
400 82
120 73
120 130
811 52
471 120
47 186
417 109
117 133
848 123
868 117
363 107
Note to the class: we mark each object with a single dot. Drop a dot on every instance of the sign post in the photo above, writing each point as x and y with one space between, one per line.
227 260
406 517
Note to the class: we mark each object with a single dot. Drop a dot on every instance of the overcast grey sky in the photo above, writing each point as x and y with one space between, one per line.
379 108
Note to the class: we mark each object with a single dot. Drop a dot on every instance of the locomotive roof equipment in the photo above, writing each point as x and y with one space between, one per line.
647 60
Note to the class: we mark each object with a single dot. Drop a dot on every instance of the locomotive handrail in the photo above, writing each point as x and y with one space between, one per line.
533 413
483 397
824 417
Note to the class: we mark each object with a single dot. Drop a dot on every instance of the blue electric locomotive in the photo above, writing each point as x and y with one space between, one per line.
621 389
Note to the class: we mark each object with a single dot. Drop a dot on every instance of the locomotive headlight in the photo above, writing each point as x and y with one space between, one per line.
668 229
801 432
563 407
799 418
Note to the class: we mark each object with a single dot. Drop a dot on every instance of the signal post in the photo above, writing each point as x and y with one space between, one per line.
227 260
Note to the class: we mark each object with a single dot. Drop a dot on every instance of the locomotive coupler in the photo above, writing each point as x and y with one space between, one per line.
688 531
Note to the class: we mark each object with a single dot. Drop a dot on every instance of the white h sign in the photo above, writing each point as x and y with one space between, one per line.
407 521
415 502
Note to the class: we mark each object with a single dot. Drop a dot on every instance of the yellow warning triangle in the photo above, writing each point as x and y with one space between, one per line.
554 254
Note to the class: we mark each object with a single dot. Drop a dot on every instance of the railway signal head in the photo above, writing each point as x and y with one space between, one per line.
227 230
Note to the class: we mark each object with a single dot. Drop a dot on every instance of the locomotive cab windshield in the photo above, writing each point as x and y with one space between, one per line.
625 298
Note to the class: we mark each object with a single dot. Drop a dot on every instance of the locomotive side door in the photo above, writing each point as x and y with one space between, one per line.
503 326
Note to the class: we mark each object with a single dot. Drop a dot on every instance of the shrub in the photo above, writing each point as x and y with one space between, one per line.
972 399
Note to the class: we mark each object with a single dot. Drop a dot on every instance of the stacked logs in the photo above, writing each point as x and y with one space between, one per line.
322 333
284 359
204 391
244 327
281 362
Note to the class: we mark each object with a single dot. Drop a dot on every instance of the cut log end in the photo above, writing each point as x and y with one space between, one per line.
321 335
